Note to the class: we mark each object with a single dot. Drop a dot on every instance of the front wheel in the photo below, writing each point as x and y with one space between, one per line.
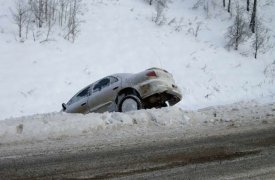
129 103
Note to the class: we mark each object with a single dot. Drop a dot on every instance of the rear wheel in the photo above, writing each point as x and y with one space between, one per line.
129 103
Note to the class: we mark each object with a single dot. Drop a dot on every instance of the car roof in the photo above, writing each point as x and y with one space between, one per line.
122 75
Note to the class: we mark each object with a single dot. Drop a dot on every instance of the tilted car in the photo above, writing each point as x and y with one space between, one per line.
123 92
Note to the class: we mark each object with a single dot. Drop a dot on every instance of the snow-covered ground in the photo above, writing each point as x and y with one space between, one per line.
119 36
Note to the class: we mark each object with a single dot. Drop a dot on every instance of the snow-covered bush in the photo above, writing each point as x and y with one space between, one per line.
160 6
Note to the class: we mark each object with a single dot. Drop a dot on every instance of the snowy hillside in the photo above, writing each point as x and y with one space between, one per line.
120 36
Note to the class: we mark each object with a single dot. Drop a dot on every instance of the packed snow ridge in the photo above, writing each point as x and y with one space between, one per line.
161 123
57 125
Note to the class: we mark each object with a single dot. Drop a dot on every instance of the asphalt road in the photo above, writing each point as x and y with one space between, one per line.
245 155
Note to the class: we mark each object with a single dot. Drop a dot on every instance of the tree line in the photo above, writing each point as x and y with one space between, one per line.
30 16
247 25
243 29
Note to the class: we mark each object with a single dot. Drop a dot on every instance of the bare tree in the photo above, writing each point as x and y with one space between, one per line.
73 22
63 6
197 29
253 17
46 9
20 15
260 38
40 13
50 17
206 8
223 2
28 23
247 5
150 2
37 10
237 32
229 6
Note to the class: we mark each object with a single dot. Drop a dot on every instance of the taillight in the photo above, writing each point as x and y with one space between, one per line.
152 74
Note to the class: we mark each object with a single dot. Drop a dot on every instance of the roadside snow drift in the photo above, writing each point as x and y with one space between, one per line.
60 125
161 123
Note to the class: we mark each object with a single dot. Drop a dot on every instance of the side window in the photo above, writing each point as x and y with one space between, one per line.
84 93
101 84
113 79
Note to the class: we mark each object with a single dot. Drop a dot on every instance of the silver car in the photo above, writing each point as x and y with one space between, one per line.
123 92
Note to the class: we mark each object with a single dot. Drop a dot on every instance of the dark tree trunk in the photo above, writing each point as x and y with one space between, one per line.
40 11
229 6
46 10
150 2
20 25
223 3
247 5
253 17
256 46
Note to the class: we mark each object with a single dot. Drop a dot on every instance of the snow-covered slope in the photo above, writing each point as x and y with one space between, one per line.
119 36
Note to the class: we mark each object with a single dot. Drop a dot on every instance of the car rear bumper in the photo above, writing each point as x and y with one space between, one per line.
159 87
175 97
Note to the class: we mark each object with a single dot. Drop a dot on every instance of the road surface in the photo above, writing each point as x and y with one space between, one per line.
215 153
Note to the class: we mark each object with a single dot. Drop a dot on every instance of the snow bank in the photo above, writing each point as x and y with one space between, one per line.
60 125
161 123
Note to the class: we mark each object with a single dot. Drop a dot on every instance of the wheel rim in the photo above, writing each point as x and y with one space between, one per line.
129 105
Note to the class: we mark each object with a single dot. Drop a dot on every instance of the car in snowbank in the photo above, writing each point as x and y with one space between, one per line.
152 88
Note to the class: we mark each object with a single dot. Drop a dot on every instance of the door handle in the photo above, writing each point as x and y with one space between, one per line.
83 104
115 88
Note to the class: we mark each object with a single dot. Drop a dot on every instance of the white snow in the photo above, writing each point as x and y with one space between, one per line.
119 36
62 125
161 123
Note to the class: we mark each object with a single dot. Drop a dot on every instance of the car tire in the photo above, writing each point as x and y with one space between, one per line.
129 103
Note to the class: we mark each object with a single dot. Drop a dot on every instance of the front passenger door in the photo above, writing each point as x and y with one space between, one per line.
80 102
104 93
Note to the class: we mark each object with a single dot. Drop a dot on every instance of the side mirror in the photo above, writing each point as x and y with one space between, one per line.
64 106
